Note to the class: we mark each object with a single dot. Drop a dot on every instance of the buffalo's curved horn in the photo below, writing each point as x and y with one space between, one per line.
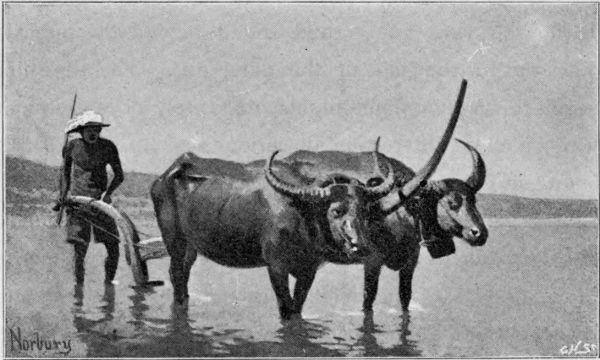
477 177
303 192
89 208
423 175
381 190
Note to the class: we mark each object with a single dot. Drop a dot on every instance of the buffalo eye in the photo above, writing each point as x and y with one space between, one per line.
455 202
337 212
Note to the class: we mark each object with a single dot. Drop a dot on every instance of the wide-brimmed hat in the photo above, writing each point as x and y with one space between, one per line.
86 118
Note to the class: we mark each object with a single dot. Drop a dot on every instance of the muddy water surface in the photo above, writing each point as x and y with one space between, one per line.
530 291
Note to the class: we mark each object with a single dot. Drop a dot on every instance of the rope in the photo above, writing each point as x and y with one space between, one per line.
139 245
108 232
97 227
419 225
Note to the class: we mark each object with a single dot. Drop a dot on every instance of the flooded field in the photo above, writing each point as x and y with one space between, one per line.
531 291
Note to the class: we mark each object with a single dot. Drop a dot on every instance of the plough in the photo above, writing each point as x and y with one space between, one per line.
137 251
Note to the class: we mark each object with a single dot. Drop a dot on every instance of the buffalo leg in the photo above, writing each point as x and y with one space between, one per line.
405 291
190 257
304 280
406 276
372 271
177 253
280 284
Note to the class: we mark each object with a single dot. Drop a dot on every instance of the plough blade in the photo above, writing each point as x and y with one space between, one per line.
153 248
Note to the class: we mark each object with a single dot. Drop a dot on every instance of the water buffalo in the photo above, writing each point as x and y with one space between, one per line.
243 218
439 211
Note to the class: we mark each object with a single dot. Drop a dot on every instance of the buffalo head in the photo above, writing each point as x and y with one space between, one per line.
449 206
339 203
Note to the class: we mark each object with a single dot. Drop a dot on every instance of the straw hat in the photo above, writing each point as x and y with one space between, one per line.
86 118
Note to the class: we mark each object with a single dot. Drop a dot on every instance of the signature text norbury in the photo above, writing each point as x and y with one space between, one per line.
33 342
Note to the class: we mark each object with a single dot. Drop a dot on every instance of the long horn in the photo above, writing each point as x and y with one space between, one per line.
287 189
381 190
423 175
89 208
477 177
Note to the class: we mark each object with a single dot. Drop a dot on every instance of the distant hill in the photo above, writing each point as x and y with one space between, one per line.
28 181
25 176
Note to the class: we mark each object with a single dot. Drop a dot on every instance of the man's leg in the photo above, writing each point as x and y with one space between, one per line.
78 234
112 261
79 262
109 237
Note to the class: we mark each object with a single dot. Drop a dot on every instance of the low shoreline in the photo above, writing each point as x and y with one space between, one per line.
43 209
540 221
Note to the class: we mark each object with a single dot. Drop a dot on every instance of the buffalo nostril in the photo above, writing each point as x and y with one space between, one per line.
475 232
349 233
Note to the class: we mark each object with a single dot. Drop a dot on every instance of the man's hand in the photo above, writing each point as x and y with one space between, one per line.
57 206
106 198
60 202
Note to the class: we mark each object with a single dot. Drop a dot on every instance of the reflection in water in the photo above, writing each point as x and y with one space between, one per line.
109 302
176 336
138 306
297 338
78 296
87 331
81 323
301 336
172 337
368 340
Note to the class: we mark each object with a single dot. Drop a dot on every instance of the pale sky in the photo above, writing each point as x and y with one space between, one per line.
237 81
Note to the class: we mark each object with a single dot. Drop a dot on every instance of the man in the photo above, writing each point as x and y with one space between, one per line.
85 174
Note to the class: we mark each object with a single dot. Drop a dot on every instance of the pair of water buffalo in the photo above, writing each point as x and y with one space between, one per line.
313 207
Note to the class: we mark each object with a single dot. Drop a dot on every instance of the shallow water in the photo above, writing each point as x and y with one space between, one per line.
530 291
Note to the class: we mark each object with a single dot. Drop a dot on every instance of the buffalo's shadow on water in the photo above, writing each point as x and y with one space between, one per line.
368 341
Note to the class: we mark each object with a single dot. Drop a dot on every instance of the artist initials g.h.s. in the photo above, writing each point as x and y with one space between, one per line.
579 349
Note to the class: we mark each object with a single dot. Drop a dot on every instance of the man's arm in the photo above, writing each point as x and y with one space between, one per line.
115 164
65 177
117 180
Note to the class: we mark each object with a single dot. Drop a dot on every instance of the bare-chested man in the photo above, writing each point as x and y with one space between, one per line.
85 174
